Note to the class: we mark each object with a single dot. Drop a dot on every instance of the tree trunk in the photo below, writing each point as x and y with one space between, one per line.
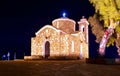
118 44
118 49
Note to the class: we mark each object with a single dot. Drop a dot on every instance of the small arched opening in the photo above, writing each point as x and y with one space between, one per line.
47 49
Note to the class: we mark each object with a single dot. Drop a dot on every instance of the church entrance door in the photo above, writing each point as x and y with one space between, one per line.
47 49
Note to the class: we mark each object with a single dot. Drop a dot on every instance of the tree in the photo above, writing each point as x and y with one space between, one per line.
107 12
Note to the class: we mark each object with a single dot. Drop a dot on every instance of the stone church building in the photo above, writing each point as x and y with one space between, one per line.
61 40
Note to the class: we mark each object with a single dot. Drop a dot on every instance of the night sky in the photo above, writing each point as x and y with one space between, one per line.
19 20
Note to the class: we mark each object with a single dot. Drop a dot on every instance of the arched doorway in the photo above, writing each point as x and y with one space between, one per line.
47 49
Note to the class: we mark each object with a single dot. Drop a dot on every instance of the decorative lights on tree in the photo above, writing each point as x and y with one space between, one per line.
107 15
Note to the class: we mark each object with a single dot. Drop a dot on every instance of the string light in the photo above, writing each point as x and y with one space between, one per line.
61 44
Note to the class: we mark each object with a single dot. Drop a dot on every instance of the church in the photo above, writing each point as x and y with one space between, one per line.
61 40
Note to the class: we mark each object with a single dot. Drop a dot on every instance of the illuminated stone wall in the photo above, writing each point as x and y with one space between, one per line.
64 24
64 40
47 34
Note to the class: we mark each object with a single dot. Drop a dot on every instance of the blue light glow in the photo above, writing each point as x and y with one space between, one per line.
64 14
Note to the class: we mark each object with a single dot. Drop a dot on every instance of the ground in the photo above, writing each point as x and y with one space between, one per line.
56 68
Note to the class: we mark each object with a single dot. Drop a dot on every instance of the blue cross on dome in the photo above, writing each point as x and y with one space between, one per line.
64 14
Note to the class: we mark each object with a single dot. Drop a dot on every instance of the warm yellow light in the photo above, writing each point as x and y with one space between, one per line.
63 39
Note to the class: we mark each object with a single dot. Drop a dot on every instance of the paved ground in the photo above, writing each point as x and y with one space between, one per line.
56 68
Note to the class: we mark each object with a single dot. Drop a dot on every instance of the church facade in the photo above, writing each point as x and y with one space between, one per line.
61 40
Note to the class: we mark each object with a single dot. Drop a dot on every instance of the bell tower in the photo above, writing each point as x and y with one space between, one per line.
84 44
83 28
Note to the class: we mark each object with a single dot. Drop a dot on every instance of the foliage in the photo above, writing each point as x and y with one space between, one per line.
106 10
111 41
97 28
118 39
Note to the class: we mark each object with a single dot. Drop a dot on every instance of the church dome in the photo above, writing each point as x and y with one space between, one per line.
65 24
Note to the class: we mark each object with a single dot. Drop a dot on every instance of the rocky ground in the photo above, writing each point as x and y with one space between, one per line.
56 68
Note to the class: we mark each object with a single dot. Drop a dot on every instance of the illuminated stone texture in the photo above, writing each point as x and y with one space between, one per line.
64 24
61 40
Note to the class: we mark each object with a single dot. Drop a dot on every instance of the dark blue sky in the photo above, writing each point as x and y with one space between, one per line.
20 19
